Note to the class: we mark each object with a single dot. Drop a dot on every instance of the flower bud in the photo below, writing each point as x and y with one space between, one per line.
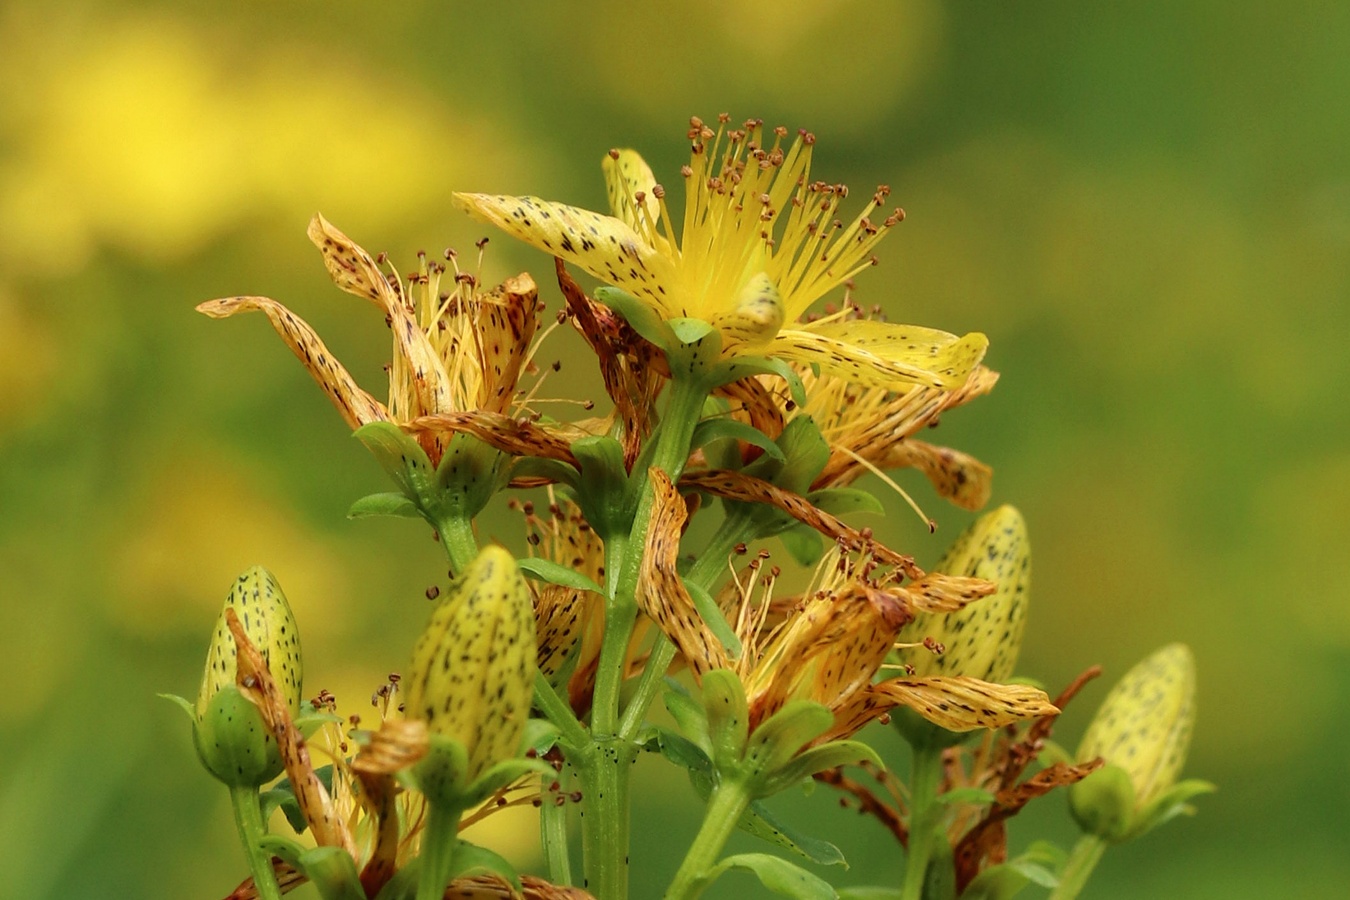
232 740
472 673
1142 730
982 639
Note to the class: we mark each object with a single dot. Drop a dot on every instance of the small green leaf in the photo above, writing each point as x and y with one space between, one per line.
777 739
722 428
385 503
869 892
690 717
282 796
689 330
765 824
972 795
330 869
818 759
471 857
744 366
803 543
846 501
683 752
639 315
778 875
499 775
713 617
185 704
547 570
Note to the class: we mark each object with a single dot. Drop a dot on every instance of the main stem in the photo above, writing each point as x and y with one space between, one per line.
727 804
248 819
926 777
1082 860
439 840
605 775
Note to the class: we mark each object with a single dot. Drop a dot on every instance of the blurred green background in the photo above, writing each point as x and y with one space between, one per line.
1146 207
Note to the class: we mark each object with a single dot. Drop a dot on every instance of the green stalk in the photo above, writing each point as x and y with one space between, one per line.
1082 860
605 817
457 537
923 814
248 819
553 837
727 804
439 841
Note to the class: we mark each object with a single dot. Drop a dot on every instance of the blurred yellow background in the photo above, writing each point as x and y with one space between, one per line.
1146 208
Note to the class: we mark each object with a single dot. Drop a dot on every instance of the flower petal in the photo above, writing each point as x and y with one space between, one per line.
355 272
958 477
604 246
661 592
960 703
506 326
882 353
356 406
627 175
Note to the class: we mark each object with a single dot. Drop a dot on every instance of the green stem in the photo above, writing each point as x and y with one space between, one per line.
553 836
439 840
923 812
605 818
1082 860
248 818
556 710
726 806
457 537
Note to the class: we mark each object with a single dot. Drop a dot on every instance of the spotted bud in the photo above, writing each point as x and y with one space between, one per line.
1142 730
472 672
982 639
232 740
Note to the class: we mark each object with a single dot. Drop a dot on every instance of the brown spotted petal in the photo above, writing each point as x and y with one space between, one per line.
516 437
506 326
492 887
256 683
355 272
960 703
661 592
561 615
937 592
956 476
356 406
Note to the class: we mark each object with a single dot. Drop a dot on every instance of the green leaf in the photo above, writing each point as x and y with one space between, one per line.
184 704
499 775
282 796
547 570
765 824
722 428
972 795
728 717
683 753
643 319
778 875
869 892
690 717
385 503
807 452
846 501
818 759
469 857
803 543
713 617
778 738
330 869
744 366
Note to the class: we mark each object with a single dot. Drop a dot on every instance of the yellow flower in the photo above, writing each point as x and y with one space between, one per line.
759 243
455 350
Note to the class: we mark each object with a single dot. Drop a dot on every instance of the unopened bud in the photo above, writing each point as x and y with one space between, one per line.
472 671
232 740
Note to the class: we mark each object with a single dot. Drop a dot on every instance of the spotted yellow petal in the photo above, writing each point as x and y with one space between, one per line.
963 704
509 319
881 353
604 246
355 272
356 406
661 592
627 176
956 476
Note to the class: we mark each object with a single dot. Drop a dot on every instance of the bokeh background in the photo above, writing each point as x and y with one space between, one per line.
1146 207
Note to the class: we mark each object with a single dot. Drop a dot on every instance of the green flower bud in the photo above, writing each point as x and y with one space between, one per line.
982 639
232 740
1142 730
472 673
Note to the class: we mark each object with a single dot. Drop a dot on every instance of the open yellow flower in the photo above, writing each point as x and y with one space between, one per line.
759 243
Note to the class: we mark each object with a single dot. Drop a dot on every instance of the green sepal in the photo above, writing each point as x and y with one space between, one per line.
540 735
330 869
384 503
1037 865
1171 803
539 467
470 857
818 759
689 330
869 892
918 732
777 739
685 754
233 742
639 316
690 717
745 366
470 472
714 618
765 825
602 491
183 703
722 428
728 717
783 878
1103 803
547 570
499 775
441 774
845 501
282 796
402 458
803 543
807 452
